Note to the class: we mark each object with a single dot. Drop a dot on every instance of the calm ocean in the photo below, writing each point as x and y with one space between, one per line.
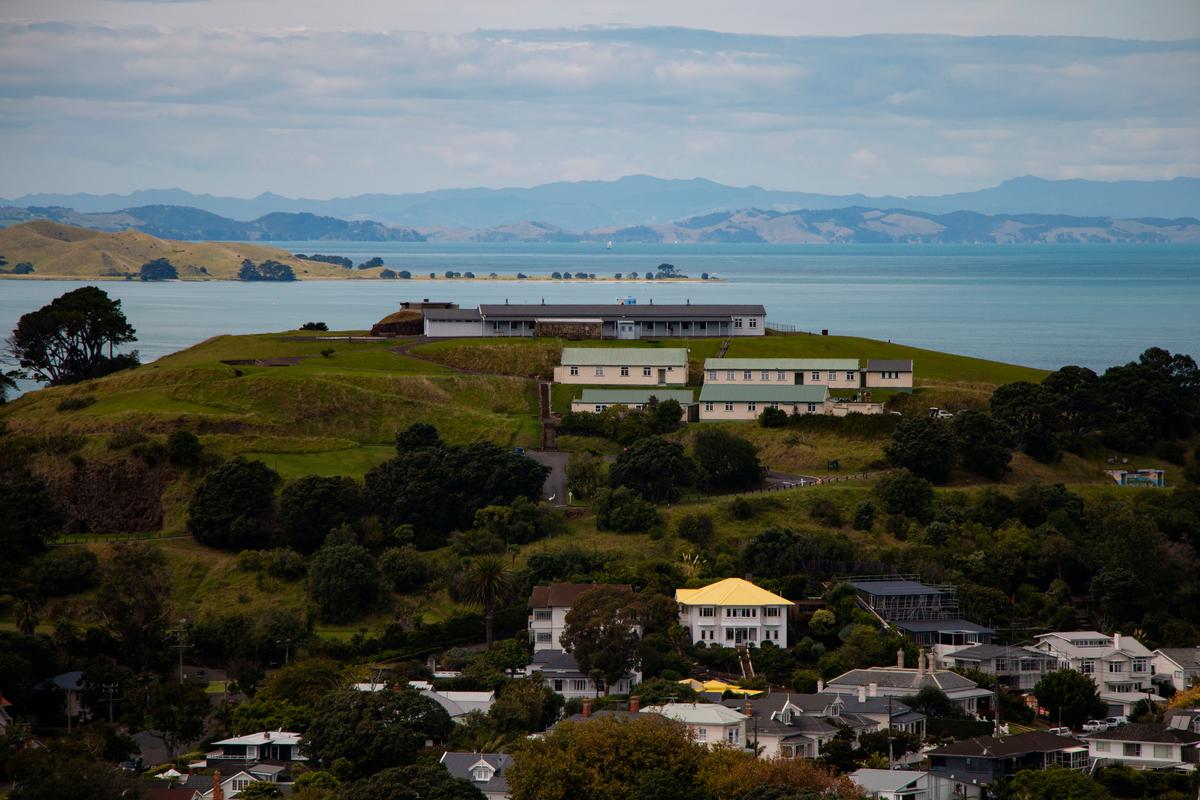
1044 306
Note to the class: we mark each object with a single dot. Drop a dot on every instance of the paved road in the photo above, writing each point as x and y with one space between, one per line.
787 481
556 481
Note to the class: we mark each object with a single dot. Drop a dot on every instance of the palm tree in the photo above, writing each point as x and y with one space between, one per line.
487 582
27 618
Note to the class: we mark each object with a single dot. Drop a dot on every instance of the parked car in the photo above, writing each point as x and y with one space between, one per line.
1062 731
1095 726
1116 722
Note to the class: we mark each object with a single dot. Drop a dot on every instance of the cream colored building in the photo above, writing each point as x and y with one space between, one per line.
596 400
888 374
616 366
746 401
836 373
707 723
733 612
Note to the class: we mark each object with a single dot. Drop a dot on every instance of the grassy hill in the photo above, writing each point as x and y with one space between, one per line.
63 251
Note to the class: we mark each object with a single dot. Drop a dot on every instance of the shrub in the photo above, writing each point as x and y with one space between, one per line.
151 452
126 438
740 508
727 461
328 352
63 571
310 507
925 446
404 569
864 516
314 326
827 513
624 511
284 563
231 507
773 418
160 269
697 529
75 403
343 582
655 467
184 449
902 492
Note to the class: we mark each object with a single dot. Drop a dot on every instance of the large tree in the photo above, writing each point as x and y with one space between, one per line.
29 519
73 338
926 446
1055 783
134 601
487 582
1069 696
421 781
178 713
726 461
231 507
602 632
309 508
343 581
372 731
654 467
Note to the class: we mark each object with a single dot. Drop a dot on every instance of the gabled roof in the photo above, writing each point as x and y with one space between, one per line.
888 365
884 781
618 311
763 393
1186 657
697 713
1005 746
900 586
625 356
632 397
1148 732
730 592
957 625
565 594
460 765
824 364
452 314
982 652
1065 642
903 678
263 737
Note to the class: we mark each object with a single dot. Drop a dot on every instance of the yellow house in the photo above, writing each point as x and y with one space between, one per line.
733 612
623 366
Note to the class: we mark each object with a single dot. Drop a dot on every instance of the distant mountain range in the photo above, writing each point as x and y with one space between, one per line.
642 199
855 225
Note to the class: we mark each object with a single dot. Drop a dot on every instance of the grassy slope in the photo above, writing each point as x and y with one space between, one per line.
62 251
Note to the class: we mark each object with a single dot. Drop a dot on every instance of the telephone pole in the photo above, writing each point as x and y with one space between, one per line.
110 689
181 637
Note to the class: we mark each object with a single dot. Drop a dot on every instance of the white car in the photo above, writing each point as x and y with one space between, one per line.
1116 722
1095 726
1062 731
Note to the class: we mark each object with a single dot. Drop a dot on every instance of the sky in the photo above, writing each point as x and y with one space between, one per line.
323 99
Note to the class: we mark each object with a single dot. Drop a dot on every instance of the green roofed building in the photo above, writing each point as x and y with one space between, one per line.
836 373
633 366
596 400
739 401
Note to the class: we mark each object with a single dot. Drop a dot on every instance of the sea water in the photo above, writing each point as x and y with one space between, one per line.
1043 306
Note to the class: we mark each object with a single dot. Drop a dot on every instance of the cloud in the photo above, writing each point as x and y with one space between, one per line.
335 112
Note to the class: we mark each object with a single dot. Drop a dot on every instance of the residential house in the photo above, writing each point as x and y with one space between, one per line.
903 784
1018 668
888 374
586 714
623 366
458 704
899 681
834 373
733 401
1178 666
548 607
733 612
707 723
204 786
1174 745
487 772
1141 478
598 321
985 759
1119 665
884 710
560 672
282 746
928 615
596 400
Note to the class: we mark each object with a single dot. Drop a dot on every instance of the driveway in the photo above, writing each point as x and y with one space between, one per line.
555 489
781 480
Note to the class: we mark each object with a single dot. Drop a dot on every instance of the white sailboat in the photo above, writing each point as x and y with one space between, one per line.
609 245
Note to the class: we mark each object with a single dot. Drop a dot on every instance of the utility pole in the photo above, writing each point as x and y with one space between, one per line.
181 636
891 757
287 649
109 689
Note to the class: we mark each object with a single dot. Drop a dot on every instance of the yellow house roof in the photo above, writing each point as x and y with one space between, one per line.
718 686
730 592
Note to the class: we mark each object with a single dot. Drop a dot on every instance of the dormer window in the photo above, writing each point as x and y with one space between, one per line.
482 773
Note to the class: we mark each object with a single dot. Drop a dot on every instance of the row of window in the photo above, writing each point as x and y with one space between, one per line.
750 323
752 405
749 634
1088 666
576 684
769 611
599 371
733 735
1133 749
782 375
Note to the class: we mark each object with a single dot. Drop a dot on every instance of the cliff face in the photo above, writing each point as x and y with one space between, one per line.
112 496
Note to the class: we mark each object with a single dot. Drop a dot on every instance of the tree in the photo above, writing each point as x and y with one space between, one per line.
654 467
134 600
314 326
404 569
8 383
343 581
373 730
926 446
72 338
772 417
160 269
508 656
178 712
601 632
983 444
1069 696
726 461
309 508
624 511
65 771
417 436
903 492
585 474
261 790
487 582
1055 783
864 516
184 449
29 519
421 781
231 508
525 706
698 529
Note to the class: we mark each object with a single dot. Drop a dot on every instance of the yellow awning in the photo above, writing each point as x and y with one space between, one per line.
719 686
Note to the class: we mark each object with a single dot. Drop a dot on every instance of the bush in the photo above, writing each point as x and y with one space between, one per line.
926 446
184 449
740 508
864 516
75 403
727 461
343 582
902 492
160 269
309 508
404 569
314 326
126 438
1172 451
773 418
151 452
827 513
284 563
654 467
64 571
697 529
624 511
231 508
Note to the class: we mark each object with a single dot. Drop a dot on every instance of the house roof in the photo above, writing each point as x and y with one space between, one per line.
619 311
730 592
565 594
982 652
956 625
557 662
897 587
263 737
763 393
1005 746
460 765
1147 732
884 780
888 365
718 687
827 364
630 397
452 314
903 678
1186 657
1065 642
618 713
697 713
625 356
459 704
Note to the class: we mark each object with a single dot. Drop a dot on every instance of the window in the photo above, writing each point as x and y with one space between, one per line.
730 375
1100 747
752 406
579 685
599 408
706 611
481 774
733 735
816 376
780 375
728 635
1087 667
812 408
737 322
712 374
640 406
754 322
574 370
701 734
1116 667
1132 749
1139 665
541 613
1162 751
832 376
728 405
708 406
543 636
747 375
771 611
599 372
851 376
766 375
558 684
773 404
645 372
624 372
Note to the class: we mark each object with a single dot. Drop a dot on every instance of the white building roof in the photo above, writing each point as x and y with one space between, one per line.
884 780
1092 644
263 737
697 713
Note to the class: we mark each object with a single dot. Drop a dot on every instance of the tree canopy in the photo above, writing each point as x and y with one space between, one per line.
1069 696
602 632
72 338
726 461
232 506
654 467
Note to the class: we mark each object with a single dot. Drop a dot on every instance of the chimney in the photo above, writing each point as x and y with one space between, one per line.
1116 641
587 707
900 658
873 690
862 694
217 793
748 709
635 703
920 663
820 686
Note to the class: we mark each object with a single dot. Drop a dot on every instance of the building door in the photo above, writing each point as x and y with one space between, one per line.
799 375
627 330
662 377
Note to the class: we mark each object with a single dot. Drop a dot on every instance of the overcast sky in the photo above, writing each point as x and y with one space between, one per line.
318 99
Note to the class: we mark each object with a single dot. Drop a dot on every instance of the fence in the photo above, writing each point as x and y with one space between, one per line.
779 485
786 327
87 538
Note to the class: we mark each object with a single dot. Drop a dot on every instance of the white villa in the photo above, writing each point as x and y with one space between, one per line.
548 607
1118 665
836 373
906 681
261 746
561 673
623 366
1147 746
708 723
733 612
